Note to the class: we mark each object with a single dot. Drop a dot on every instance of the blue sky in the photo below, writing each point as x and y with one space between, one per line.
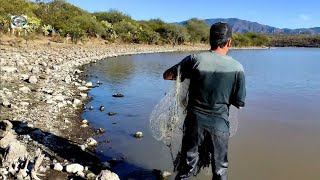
278 13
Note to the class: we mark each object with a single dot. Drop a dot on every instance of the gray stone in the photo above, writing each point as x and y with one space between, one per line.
35 70
138 134
89 84
91 176
24 89
24 77
107 175
6 103
76 102
74 168
58 167
83 88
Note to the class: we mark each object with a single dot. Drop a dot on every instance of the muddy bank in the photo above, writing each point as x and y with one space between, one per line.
42 95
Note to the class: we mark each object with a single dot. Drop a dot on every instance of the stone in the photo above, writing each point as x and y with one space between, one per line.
91 108
35 70
24 77
77 71
9 69
77 102
85 121
89 84
82 88
91 142
138 135
84 125
107 175
14 152
112 113
83 147
24 104
81 174
165 174
33 79
6 104
68 79
91 176
117 95
83 95
101 108
24 89
59 97
58 167
7 138
74 168
101 130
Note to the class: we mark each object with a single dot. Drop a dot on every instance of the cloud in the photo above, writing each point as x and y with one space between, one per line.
304 17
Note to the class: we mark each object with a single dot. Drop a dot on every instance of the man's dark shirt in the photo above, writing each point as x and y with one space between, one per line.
216 82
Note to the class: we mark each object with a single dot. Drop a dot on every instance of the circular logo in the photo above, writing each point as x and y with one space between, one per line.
19 21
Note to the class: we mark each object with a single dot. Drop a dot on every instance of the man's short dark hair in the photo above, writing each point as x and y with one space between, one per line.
219 34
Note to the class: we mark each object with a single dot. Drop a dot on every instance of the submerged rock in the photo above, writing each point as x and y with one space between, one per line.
117 95
112 113
91 108
101 108
101 130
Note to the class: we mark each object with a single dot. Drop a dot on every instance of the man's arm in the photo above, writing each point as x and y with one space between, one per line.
239 95
185 67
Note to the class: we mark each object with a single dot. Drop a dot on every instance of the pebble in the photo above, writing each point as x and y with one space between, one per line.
58 167
85 121
33 79
101 130
138 135
6 104
112 113
91 108
165 174
77 102
9 69
89 85
91 176
83 95
84 125
82 88
92 142
101 108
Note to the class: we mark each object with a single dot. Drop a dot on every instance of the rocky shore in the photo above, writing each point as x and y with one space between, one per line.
41 98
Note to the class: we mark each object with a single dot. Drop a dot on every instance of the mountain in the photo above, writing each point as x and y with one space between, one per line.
242 26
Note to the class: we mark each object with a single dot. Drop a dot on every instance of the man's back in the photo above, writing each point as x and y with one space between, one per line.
214 80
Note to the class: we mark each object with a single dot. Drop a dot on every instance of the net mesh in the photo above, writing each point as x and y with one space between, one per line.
167 117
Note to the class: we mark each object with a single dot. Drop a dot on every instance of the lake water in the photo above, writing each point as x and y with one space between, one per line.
278 132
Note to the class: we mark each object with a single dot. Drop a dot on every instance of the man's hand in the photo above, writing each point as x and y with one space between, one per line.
169 75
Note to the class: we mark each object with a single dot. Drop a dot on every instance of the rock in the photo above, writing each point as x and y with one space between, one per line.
89 84
84 125
83 147
91 176
59 97
7 138
165 174
138 135
101 108
107 175
24 89
99 83
6 104
112 113
35 70
82 88
85 121
24 77
92 142
58 167
117 95
81 174
33 79
91 108
74 168
68 79
24 104
14 152
9 69
77 102
83 95
77 71
101 130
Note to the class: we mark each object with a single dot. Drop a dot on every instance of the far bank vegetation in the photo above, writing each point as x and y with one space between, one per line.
61 21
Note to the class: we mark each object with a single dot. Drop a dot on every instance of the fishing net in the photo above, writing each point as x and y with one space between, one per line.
167 117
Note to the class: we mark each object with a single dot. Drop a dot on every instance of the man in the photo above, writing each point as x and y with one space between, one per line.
216 82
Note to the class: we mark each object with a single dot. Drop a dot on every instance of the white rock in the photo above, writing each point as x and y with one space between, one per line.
6 103
58 167
165 174
85 121
92 142
9 69
83 88
83 95
24 104
84 125
91 176
35 70
77 102
68 79
83 147
33 79
89 84
74 168
138 134
24 89
107 175
59 97
81 174
24 77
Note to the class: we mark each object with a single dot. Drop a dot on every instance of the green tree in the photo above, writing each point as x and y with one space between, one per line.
198 30
112 16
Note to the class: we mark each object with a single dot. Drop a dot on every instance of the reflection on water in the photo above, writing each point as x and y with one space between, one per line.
278 130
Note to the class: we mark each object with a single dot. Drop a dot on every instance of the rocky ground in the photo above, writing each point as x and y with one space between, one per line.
41 98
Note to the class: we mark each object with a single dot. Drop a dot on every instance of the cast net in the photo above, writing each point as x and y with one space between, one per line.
167 117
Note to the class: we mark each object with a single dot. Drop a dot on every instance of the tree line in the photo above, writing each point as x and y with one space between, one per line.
58 19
